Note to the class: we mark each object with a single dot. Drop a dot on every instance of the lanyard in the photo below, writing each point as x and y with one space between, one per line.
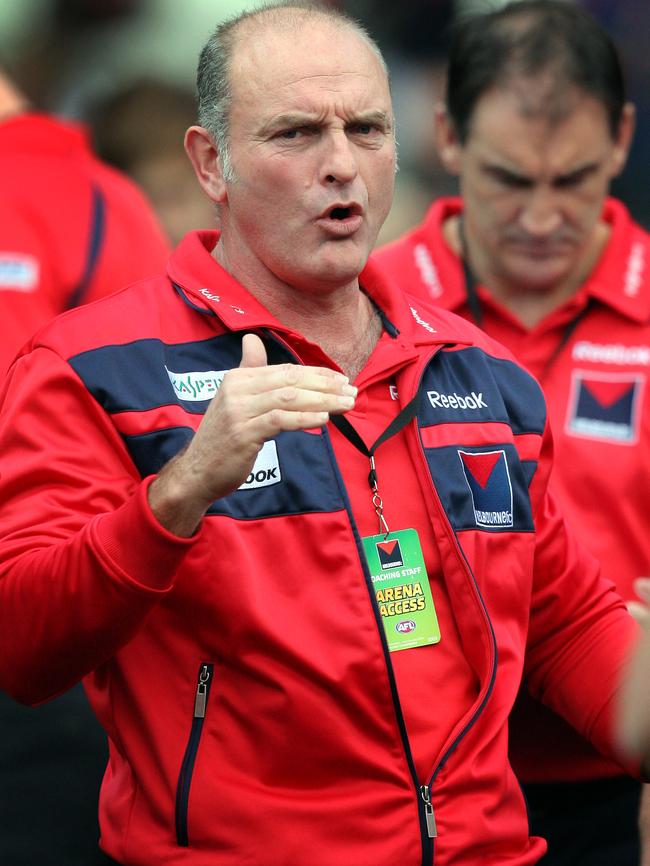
398 423
476 309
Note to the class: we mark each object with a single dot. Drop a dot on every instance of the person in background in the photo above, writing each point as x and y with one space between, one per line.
536 126
139 129
72 230
301 607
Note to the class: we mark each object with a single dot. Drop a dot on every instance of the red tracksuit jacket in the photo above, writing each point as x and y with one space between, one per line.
243 675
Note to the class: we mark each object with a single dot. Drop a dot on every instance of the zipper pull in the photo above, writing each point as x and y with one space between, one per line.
428 812
201 693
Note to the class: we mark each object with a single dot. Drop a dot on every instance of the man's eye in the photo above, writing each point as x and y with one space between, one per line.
364 128
571 180
513 181
289 134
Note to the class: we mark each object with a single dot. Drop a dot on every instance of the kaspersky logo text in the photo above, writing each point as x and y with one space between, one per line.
457 401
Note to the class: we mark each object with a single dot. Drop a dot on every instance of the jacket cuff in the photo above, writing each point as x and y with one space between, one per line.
138 546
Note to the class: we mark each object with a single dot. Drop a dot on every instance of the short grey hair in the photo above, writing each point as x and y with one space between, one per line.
215 62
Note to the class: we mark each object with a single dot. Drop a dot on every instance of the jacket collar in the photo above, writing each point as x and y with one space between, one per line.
210 288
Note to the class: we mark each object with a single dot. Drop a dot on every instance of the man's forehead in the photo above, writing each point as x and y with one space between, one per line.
503 136
547 101
282 52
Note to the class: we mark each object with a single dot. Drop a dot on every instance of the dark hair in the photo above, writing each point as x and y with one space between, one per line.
524 40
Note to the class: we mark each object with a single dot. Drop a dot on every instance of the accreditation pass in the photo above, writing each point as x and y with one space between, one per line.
401 586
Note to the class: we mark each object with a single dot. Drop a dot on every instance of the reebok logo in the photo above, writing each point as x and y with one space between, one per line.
611 353
266 470
457 401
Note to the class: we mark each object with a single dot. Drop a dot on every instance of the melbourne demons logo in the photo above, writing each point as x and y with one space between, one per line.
605 406
488 479
390 553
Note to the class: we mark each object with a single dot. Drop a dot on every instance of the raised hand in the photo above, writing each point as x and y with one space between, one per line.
254 403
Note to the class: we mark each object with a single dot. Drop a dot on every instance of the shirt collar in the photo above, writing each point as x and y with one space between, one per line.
620 278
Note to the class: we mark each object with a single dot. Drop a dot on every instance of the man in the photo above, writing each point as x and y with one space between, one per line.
69 226
536 126
300 605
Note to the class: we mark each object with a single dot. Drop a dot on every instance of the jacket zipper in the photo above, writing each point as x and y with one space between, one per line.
428 831
427 789
203 684
425 810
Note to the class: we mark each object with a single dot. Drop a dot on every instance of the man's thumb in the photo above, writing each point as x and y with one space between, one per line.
253 352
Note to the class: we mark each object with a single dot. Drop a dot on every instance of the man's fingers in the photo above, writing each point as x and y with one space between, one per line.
259 380
642 588
280 420
292 399
640 612
253 352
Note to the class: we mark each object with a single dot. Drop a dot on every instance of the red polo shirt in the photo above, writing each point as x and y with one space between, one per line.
593 364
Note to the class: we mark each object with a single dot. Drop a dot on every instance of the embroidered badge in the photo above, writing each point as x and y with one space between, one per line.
488 479
605 406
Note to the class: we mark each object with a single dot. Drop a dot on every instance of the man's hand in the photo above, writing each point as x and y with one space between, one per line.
633 723
254 403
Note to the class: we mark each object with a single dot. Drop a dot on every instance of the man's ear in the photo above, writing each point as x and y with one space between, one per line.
204 156
623 139
447 142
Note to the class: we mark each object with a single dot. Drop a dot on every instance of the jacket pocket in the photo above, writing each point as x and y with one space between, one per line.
203 685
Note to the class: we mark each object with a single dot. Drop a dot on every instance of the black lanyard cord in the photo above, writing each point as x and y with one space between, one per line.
473 300
476 308
398 423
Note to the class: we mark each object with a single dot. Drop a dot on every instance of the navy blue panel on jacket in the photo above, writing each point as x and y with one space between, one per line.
481 487
292 474
469 386
146 374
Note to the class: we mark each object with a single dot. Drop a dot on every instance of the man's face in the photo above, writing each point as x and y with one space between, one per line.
534 188
312 151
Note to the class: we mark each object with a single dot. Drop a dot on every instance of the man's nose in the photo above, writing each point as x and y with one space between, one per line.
339 160
540 215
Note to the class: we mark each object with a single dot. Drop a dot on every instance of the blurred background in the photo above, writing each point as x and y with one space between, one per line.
126 67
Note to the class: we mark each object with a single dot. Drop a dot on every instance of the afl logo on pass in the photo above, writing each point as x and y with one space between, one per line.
405 626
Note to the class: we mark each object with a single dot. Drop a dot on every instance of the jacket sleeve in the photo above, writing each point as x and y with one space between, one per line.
580 630
82 558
